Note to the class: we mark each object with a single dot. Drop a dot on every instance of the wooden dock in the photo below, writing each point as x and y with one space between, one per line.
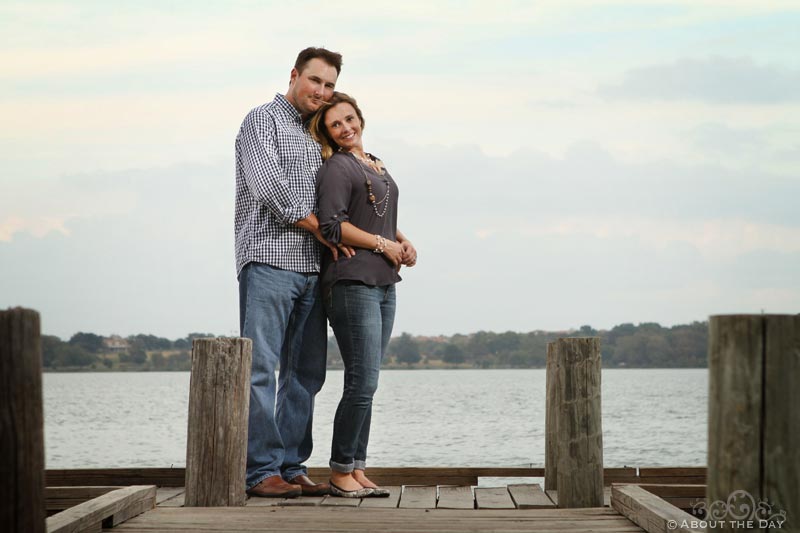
415 504
747 454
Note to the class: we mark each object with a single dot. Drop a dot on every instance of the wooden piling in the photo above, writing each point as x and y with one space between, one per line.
551 407
219 398
753 416
22 507
579 429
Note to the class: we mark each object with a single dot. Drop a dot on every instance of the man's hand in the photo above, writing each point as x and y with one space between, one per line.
347 251
311 223
323 240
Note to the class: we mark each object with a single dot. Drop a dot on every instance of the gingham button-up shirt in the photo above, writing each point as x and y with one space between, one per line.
276 165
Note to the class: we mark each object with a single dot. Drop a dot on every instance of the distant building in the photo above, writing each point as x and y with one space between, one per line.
116 343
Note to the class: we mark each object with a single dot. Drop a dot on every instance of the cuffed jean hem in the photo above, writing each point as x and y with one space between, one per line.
262 478
301 472
359 465
342 468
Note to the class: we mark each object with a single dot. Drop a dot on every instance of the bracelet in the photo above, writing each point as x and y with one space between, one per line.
380 244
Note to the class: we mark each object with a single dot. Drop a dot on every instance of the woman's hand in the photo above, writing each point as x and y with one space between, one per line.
409 254
393 252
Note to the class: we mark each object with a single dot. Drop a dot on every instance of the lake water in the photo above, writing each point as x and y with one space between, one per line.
651 417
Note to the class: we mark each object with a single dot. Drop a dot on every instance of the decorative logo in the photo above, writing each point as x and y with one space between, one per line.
740 510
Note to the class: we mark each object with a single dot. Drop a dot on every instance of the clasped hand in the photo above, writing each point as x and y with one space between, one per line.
409 255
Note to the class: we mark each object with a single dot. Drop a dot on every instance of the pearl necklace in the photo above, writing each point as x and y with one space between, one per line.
368 182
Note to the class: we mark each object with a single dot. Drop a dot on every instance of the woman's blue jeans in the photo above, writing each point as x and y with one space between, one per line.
282 312
362 317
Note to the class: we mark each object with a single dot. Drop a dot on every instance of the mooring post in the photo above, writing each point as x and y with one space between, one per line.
22 506
578 422
754 421
551 408
219 399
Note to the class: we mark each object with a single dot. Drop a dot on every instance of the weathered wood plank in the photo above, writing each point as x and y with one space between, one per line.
455 498
120 477
625 474
165 493
97 527
216 444
675 491
667 481
414 497
303 501
256 501
22 502
383 503
60 498
781 424
579 437
175 501
649 511
493 498
128 512
332 519
93 511
336 501
529 497
553 496
670 471
175 477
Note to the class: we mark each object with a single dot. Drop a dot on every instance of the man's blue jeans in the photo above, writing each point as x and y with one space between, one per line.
362 317
282 313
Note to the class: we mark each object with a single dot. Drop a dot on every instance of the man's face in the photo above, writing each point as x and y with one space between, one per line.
311 87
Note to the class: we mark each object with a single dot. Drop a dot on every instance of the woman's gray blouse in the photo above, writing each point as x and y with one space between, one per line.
342 196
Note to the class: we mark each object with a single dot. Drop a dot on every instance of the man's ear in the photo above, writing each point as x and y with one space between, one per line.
293 76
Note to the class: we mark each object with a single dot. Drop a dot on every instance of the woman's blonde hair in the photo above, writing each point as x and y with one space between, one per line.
317 125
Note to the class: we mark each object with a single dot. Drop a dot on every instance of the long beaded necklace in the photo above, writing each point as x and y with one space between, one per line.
370 194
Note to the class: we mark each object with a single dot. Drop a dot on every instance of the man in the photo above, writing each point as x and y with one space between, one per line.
277 260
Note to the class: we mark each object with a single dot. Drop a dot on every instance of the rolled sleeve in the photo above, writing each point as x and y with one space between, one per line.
333 197
265 177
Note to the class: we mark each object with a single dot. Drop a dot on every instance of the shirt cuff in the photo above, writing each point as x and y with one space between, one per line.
331 226
294 214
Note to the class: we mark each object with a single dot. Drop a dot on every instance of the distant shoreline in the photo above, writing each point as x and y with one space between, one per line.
646 345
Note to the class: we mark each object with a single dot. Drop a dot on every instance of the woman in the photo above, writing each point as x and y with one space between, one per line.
357 209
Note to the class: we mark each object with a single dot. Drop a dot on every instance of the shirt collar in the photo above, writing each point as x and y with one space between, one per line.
288 109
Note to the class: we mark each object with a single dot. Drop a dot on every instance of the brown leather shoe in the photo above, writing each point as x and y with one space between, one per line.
275 487
310 488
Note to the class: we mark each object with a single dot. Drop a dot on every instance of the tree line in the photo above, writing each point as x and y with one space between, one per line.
646 345
89 351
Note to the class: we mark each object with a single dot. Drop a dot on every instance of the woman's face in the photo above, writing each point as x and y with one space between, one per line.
343 126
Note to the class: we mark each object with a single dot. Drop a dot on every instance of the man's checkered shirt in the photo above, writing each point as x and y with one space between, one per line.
276 166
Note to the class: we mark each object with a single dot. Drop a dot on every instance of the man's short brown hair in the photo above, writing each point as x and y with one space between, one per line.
332 58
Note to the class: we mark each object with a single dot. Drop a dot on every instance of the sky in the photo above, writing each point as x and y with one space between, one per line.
560 163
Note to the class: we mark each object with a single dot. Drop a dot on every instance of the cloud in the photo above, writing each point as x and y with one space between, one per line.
717 80
520 242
